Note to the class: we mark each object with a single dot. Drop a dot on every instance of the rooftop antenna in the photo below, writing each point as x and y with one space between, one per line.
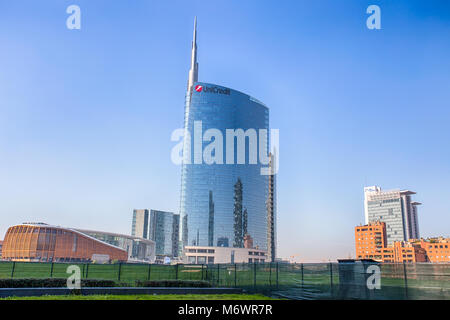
193 72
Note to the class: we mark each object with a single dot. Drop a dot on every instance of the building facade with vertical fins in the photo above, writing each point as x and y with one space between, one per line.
41 242
216 197
396 209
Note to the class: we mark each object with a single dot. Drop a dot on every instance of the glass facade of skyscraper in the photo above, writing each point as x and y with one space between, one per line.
164 230
220 203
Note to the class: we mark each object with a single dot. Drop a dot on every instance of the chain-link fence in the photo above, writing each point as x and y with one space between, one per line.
356 280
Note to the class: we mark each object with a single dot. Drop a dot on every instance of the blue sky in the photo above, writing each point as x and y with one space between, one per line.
86 115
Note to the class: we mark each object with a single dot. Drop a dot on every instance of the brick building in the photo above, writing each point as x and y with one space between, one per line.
370 243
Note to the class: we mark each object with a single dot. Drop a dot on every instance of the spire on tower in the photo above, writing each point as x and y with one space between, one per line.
193 72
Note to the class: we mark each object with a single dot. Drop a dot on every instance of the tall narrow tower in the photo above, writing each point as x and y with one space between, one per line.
193 72
210 213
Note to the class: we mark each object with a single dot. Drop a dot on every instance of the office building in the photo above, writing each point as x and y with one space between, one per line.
396 209
210 255
220 201
164 231
139 225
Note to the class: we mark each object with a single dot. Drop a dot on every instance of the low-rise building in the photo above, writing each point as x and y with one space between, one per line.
370 240
40 242
137 249
402 251
370 243
437 249
209 255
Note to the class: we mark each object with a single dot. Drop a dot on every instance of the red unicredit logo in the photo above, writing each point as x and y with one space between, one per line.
198 88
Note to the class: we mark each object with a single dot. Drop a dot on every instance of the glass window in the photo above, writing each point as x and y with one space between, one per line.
201 260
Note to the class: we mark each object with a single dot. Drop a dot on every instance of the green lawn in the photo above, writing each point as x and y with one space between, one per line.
150 297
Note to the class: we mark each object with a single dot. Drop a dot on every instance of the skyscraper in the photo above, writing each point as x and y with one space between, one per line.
210 210
139 225
396 209
164 230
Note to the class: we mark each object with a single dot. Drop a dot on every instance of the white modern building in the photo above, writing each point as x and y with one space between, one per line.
396 209
210 255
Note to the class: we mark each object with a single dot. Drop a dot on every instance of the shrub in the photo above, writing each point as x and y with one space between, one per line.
174 283
52 283
98 283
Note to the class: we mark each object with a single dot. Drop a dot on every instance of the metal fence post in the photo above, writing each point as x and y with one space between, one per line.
176 271
330 265
235 275
270 274
87 270
277 276
303 275
148 272
12 269
202 271
51 271
254 275
406 280
218 273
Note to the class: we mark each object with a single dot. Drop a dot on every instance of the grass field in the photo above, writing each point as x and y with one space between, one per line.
150 297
